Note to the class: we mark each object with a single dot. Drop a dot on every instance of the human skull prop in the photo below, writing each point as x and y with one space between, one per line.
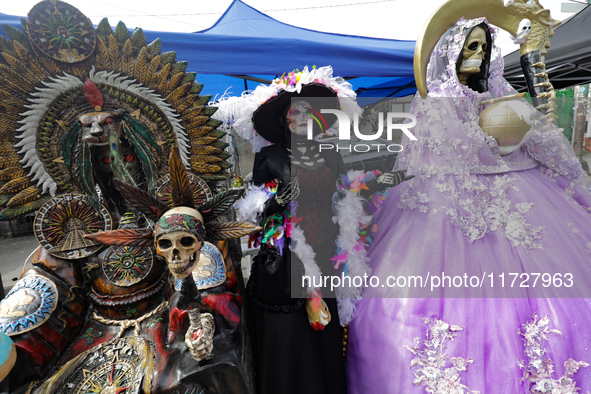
179 237
473 53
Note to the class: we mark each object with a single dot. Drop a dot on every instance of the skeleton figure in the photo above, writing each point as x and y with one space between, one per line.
179 238
472 55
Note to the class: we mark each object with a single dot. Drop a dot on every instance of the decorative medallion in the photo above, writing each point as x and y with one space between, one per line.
210 270
60 225
61 31
122 366
201 191
127 265
28 305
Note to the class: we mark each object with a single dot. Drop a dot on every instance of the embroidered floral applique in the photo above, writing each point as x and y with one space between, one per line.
539 370
430 363
476 208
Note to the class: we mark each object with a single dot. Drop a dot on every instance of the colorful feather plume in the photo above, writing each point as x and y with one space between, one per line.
93 95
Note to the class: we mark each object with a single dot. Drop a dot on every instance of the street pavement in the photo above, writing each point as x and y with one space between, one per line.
14 250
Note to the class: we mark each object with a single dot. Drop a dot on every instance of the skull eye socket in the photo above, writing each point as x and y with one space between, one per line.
473 46
187 241
164 243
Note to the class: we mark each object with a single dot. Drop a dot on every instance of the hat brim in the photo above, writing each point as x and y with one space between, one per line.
266 119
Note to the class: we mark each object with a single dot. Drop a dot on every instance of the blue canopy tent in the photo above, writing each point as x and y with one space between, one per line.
246 47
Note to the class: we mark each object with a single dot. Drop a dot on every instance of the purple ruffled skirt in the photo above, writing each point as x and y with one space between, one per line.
552 237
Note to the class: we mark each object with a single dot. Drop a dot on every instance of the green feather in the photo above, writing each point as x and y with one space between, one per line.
219 204
220 177
21 210
6 46
67 141
144 154
117 165
142 131
179 66
4 198
84 171
16 35
104 30
168 57
155 47
121 33
138 39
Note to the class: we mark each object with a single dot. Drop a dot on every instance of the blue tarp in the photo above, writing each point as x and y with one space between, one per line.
247 42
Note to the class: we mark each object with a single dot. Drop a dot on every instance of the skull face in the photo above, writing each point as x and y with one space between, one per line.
297 117
181 251
179 235
473 53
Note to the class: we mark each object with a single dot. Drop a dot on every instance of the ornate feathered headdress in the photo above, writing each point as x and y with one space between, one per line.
182 194
48 81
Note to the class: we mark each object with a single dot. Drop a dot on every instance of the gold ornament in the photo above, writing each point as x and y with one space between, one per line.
507 122
507 18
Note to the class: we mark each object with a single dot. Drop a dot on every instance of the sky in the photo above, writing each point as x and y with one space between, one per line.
394 19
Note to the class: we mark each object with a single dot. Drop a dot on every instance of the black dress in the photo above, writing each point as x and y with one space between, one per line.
290 356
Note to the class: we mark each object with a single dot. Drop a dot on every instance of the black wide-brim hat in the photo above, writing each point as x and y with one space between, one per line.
266 119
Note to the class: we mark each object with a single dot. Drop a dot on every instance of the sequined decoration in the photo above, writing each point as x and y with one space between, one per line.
539 368
431 360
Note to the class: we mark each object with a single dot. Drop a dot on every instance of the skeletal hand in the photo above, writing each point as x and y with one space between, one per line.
392 178
199 336
318 313
290 193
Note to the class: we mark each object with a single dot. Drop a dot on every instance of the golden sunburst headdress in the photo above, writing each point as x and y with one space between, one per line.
43 69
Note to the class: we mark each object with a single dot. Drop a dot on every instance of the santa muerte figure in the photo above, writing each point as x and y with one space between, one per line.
498 193
83 109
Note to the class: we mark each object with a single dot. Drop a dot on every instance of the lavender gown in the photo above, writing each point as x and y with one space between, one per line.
471 211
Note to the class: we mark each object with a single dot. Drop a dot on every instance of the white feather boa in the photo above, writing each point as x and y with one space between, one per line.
351 215
306 254
250 208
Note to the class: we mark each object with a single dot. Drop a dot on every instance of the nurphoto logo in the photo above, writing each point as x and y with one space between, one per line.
344 131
